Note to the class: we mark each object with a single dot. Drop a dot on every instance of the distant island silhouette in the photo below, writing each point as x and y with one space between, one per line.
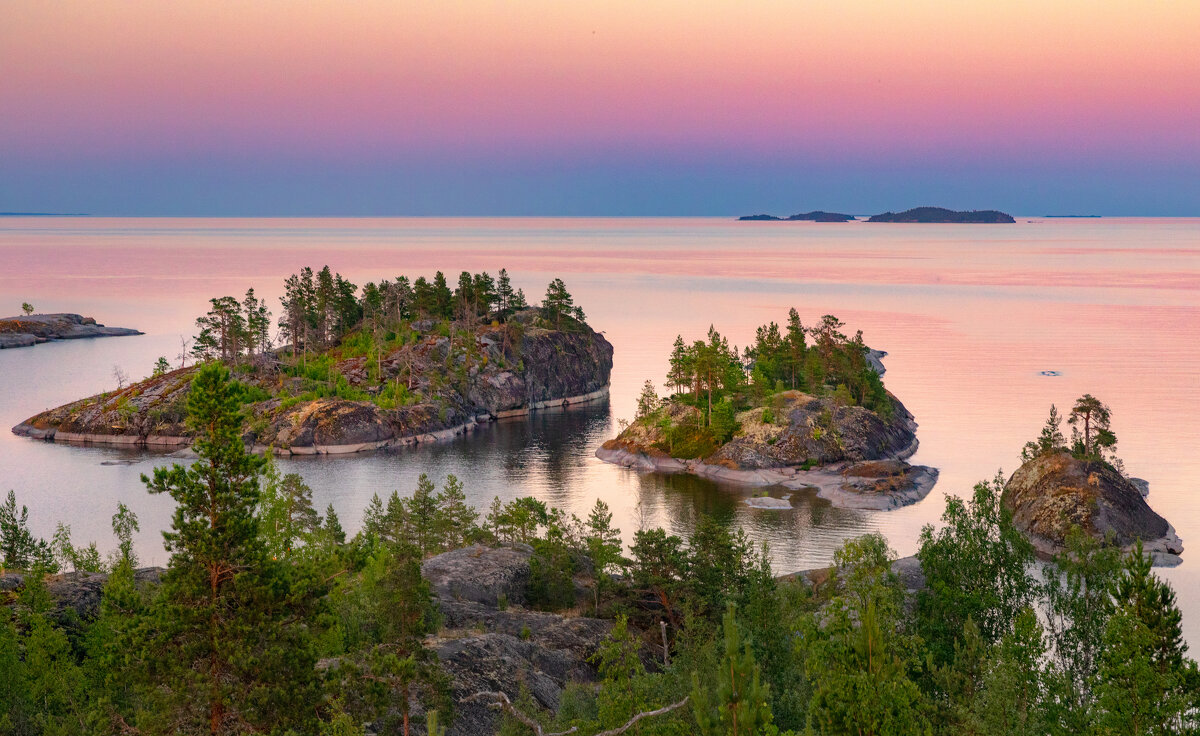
941 214
814 216
917 214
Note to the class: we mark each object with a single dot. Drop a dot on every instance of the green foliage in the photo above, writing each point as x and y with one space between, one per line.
286 515
976 568
26 308
724 422
1050 440
858 656
603 543
229 622
732 700
1078 606
19 549
161 367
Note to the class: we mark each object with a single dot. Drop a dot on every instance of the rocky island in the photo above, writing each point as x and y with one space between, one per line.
1081 484
943 215
814 216
402 364
31 329
783 413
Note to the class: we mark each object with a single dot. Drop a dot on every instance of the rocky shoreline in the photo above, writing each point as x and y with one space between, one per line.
447 388
177 442
27 331
830 482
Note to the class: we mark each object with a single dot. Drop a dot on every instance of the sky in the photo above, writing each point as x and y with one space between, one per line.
613 107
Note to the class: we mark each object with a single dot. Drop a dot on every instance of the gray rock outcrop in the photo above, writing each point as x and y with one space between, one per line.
491 644
1055 491
27 330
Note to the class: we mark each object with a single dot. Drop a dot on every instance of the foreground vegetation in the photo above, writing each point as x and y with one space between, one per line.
269 620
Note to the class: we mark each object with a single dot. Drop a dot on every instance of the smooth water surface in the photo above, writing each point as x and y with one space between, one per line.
971 316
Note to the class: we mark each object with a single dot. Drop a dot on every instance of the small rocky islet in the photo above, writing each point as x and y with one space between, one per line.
1051 493
408 378
1081 484
32 329
841 435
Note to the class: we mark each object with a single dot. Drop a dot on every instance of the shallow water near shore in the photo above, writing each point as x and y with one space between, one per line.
985 326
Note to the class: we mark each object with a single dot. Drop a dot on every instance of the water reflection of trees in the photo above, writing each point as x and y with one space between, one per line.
801 537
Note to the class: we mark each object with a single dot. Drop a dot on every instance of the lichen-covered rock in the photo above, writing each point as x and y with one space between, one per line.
480 574
1055 491
489 643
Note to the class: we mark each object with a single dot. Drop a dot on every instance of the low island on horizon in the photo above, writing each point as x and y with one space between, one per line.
915 215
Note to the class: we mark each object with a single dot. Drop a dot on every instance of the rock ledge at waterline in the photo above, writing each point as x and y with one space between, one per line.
29 330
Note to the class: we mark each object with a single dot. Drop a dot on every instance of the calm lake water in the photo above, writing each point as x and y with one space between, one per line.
971 316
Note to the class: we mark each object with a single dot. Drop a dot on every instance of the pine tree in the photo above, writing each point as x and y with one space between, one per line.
232 648
682 366
18 547
423 519
1141 594
504 296
402 672
604 547
286 514
648 401
458 519
331 535
733 701
1049 440
373 523
1096 436
1133 695
558 304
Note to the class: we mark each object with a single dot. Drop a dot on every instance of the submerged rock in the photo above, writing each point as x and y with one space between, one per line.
1055 491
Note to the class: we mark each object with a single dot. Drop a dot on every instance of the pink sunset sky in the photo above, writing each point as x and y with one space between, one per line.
598 107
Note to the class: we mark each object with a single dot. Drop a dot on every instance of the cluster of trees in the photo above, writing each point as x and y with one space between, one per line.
320 308
260 587
716 378
1092 437
1093 646
233 329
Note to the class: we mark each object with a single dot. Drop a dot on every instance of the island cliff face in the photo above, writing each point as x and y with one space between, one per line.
1055 491
450 388
28 330
940 214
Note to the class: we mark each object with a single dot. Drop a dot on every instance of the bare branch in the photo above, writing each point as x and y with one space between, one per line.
644 714
500 701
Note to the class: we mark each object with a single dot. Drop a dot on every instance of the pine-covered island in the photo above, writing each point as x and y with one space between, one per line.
802 408
404 361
